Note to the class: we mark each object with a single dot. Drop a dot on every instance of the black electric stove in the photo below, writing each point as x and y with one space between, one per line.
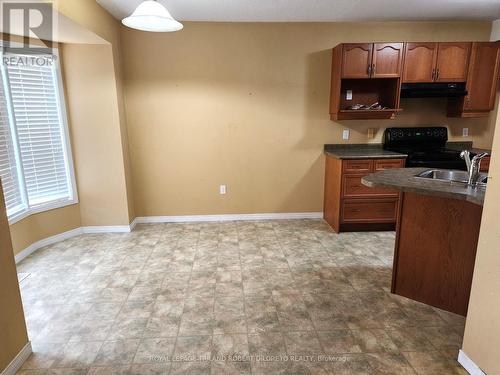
425 147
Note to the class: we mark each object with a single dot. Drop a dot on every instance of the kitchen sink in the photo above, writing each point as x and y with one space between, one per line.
451 175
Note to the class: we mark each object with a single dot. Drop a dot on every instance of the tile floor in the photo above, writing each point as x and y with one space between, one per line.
273 297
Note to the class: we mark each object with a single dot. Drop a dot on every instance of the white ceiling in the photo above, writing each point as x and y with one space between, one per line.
317 10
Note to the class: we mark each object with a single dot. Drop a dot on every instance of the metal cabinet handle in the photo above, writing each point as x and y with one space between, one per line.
373 69
369 69
433 74
437 74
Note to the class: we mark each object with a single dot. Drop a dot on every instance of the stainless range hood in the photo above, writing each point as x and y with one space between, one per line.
433 90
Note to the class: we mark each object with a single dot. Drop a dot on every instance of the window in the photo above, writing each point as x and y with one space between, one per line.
36 167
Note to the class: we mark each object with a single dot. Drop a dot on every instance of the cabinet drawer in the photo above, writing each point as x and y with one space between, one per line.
369 210
353 187
382 164
358 166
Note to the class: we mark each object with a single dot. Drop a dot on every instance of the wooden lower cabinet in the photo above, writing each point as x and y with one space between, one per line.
435 251
350 205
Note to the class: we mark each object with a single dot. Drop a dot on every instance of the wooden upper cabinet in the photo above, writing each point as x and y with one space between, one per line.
481 82
483 69
356 60
353 67
452 62
436 62
368 73
372 60
420 62
387 60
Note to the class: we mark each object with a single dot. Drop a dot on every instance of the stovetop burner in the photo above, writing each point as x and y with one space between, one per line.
425 147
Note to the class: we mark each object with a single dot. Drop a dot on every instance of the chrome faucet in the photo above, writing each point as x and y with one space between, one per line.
473 166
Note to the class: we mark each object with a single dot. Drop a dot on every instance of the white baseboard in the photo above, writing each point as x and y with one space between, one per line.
71 233
161 219
229 217
133 224
47 241
468 364
108 229
18 361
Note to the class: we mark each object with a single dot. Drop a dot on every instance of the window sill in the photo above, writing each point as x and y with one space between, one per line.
13 219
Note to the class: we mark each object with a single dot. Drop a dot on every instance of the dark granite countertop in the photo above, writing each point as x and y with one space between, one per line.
361 151
460 146
404 179
376 150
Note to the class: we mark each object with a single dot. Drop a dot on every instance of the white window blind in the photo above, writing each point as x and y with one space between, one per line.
8 165
39 131
35 157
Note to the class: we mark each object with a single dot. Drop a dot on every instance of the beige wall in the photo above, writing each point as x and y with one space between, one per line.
424 112
13 335
495 32
93 17
95 131
246 105
482 331
124 134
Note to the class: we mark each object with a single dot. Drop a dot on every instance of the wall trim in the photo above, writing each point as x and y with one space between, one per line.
69 234
468 364
133 224
160 219
229 217
45 242
18 360
107 229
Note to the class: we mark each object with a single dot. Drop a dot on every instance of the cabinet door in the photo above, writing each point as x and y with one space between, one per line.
387 60
356 60
420 62
481 80
452 62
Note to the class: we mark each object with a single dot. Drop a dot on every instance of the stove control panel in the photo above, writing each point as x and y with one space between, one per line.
397 136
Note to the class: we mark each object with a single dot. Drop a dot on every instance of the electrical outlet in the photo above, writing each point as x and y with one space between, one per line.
222 189
465 132
348 95
345 135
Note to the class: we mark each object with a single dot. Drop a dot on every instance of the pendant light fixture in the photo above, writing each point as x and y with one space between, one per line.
150 15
